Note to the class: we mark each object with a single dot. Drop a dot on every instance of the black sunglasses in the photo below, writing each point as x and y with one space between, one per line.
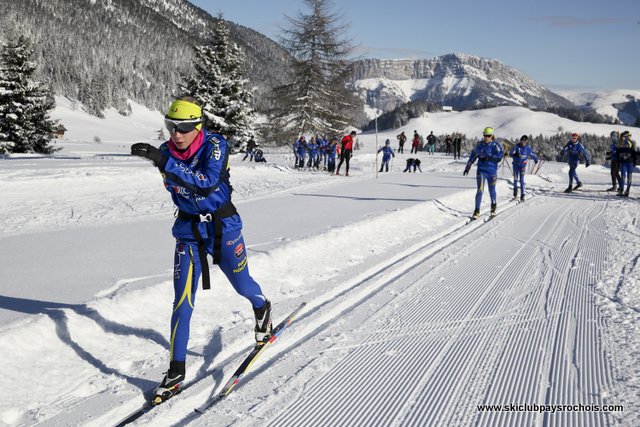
181 126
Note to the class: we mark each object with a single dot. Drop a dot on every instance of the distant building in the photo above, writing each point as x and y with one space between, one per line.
447 108
58 132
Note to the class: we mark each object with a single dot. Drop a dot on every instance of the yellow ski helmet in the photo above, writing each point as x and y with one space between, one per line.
488 131
185 109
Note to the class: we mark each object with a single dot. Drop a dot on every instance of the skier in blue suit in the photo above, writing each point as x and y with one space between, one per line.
300 151
387 153
194 164
574 151
520 154
488 153
312 152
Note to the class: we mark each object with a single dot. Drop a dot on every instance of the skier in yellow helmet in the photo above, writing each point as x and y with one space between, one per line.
195 168
488 153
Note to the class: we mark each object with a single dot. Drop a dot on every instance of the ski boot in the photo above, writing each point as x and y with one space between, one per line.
626 193
568 190
612 189
515 194
171 384
494 206
578 185
620 193
263 327
476 214
522 198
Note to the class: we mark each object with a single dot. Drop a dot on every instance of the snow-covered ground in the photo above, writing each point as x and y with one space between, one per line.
414 316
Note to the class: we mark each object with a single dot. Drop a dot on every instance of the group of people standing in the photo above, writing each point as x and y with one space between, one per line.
451 144
318 150
623 155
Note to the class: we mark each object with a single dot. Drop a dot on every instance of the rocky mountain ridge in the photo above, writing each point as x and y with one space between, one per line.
457 80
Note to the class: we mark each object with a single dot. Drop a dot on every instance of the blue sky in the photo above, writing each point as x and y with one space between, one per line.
563 44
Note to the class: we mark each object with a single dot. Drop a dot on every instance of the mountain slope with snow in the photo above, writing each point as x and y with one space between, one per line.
458 80
622 104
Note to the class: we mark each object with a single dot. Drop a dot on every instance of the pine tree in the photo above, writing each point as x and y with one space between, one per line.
219 84
25 126
317 100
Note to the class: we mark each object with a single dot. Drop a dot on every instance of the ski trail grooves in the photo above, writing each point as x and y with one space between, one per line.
507 319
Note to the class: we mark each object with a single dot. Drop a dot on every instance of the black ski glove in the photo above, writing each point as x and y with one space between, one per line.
587 165
150 152
516 154
466 171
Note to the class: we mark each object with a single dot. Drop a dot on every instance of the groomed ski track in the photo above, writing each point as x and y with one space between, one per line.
490 314
419 332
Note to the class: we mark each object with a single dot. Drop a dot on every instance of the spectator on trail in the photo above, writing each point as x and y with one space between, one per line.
402 138
574 151
431 143
627 159
194 165
251 146
457 146
447 145
415 143
345 151
488 153
332 151
412 163
613 157
520 154
387 153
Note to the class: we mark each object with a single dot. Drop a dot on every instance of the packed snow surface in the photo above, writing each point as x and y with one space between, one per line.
415 316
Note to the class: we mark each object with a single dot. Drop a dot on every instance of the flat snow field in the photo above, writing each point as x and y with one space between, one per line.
415 316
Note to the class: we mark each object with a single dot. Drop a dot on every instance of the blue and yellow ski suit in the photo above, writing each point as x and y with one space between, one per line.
200 188
574 152
488 154
520 154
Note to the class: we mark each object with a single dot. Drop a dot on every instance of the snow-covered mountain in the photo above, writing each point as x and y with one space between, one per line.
621 104
130 49
458 80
